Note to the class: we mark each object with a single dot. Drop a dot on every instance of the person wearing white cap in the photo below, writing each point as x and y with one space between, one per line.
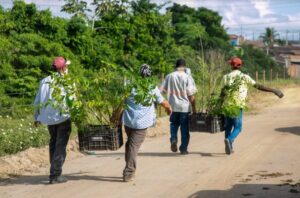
59 124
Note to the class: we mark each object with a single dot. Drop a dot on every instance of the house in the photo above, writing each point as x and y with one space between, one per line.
234 39
289 56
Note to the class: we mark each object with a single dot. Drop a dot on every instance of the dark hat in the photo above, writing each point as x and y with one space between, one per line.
180 63
145 70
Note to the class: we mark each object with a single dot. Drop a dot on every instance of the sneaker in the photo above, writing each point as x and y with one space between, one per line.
228 149
127 178
174 146
57 180
184 152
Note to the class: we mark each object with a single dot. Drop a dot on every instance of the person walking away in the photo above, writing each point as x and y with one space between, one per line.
234 94
136 119
59 123
180 90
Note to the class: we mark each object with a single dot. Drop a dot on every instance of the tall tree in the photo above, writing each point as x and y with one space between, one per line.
77 7
269 38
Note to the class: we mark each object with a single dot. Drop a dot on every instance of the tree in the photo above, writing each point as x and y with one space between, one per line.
269 38
77 7
191 25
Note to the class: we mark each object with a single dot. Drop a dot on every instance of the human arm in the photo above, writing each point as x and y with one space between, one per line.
162 101
165 104
277 92
192 100
36 104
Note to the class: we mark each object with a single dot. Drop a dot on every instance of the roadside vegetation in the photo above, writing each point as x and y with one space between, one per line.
120 33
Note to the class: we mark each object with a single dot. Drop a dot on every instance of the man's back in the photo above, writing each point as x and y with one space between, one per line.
178 87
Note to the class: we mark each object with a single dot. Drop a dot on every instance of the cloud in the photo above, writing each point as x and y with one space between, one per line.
247 15
263 7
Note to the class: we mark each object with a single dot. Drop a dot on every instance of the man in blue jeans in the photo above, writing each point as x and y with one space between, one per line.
234 94
180 90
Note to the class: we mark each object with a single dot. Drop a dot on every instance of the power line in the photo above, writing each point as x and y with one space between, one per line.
278 22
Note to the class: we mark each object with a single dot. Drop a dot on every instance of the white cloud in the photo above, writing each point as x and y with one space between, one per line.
263 7
253 15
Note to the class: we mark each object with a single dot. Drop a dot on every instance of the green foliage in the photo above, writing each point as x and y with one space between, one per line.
237 52
99 98
269 36
19 134
255 59
107 48
231 102
195 24
211 69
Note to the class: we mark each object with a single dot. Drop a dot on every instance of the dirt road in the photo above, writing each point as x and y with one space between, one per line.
265 164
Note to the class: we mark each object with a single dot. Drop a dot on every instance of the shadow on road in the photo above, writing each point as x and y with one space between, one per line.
43 179
252 190
160 154
294 130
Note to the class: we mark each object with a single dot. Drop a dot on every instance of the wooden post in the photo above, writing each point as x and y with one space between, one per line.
271 75
256 76
264 76
159 107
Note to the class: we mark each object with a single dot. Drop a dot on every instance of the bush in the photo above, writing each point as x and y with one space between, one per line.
19 134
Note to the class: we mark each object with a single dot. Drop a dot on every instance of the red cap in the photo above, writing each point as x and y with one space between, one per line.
235 62
60 62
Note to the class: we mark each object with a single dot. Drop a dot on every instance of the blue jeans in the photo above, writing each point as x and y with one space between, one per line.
233 126
180 119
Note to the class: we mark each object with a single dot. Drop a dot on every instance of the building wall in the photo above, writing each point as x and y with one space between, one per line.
294 71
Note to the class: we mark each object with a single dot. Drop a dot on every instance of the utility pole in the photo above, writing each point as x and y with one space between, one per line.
286 37
241 30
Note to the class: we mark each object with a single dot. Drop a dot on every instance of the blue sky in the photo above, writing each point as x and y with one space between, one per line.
247 17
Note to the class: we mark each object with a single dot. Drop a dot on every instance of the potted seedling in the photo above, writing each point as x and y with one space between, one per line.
98 103
209 118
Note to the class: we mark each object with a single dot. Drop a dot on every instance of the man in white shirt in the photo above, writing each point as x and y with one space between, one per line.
180 90
59 123
234 94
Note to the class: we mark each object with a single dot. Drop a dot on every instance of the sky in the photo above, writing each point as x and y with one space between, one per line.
243 17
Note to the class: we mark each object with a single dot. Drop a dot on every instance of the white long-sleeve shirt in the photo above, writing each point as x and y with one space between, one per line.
47 114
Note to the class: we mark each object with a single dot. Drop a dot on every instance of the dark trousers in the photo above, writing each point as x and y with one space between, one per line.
135 138
179 119
59 137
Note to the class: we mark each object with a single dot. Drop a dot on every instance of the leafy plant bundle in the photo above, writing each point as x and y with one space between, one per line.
231 103
100 97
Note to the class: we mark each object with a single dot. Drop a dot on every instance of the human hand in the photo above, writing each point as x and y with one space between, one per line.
169 111
278 93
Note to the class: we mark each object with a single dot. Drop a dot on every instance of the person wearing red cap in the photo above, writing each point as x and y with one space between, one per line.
234 94
59 124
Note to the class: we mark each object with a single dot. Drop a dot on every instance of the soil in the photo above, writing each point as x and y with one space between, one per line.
265 163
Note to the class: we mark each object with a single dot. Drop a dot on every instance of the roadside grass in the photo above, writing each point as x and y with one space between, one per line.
18 134
258 100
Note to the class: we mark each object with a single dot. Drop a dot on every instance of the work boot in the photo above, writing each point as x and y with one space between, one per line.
174 146
228 149
58 179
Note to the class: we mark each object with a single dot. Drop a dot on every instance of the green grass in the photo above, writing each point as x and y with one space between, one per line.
18 134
